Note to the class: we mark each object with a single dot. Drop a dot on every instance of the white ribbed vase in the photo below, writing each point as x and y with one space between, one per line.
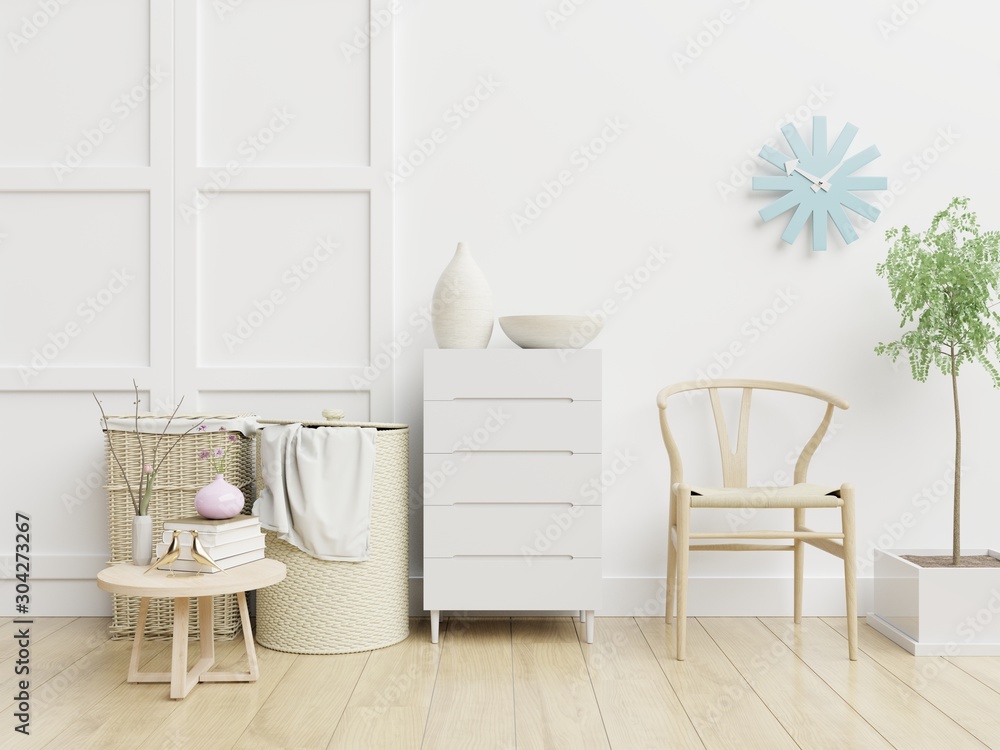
142 540
462 307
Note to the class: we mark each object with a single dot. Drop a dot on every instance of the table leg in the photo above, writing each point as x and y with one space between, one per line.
254 670
140 631
206 628
179 685
248 636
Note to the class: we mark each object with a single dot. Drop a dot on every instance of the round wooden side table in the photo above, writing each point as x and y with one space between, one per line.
132 580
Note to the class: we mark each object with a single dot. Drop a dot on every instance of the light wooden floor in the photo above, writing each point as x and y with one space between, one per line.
521 683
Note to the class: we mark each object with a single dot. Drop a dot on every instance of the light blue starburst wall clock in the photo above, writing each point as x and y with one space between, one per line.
826 195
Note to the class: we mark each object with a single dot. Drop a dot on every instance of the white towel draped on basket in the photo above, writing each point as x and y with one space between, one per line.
319 488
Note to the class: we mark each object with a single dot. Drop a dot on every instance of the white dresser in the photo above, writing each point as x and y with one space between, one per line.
512 466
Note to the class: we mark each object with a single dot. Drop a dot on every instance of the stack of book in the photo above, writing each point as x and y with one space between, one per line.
228 541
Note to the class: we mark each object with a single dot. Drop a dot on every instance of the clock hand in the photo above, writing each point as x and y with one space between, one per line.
816 181
825 179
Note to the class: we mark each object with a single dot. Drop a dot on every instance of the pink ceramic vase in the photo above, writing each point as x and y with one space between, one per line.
218 499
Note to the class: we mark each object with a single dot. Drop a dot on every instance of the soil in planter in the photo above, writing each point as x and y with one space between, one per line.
944 561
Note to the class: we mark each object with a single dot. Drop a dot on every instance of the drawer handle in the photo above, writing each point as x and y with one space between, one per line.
507 505
510 450
512 557
556 399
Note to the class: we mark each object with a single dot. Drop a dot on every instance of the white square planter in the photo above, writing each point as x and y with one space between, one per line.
937 611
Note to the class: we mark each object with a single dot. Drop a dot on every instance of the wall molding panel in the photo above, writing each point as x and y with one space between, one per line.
212 225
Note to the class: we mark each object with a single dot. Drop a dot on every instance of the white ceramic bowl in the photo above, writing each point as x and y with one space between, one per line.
550 331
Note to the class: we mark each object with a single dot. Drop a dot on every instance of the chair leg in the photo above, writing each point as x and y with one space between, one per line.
683 529
800 559
850 574
671 558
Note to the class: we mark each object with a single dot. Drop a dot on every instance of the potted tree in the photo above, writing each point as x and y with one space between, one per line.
945 280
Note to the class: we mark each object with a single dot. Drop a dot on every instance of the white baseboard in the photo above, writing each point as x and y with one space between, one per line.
711 597
64 586
60 586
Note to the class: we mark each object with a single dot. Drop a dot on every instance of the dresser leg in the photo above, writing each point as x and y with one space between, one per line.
590 626
583 615
435 624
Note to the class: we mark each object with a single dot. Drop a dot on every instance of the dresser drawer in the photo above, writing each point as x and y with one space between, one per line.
525 530
512 477
512 583
512 373
512 424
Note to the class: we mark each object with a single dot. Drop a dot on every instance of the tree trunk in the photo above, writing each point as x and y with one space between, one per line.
956 547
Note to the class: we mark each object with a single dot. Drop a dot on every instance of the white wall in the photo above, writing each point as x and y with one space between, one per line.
190 196
687 129
552 83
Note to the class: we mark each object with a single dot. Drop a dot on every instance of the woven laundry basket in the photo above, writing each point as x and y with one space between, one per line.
329 607
180 476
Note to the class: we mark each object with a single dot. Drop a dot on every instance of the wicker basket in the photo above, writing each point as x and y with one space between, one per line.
180 476
327 607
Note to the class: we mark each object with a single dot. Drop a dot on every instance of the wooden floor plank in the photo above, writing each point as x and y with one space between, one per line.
41 628
790 689
305 708
543 630
215 714
128 716
723 707
390 701
986 669
900 714
743 685
637 703
473 703
66 700
951 689
554 701
50 655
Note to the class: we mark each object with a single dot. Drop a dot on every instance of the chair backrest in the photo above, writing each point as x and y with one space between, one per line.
734 462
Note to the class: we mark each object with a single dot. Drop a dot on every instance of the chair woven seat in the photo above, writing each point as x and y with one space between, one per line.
796 496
